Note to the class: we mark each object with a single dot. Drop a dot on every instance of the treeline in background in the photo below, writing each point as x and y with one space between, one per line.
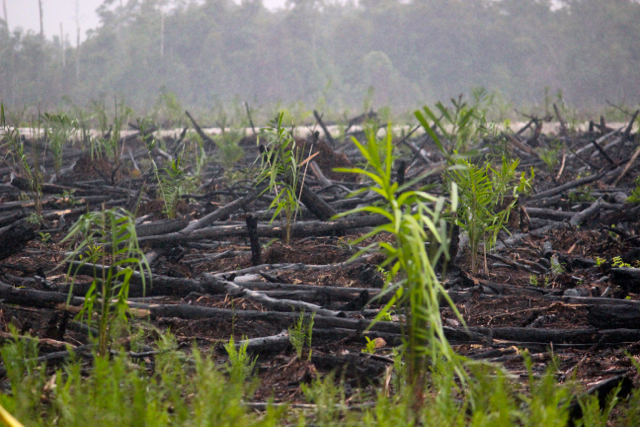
333 54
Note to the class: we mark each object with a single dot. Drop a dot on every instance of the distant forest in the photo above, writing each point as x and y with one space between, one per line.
396 53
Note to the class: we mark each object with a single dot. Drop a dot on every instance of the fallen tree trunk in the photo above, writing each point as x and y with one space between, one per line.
46 188
315 203
33 298
215 285
608 316
209 284
302 228
224 211
283 319
158 285
567 186
549 214
14 237
155 285
627 278
262 345
160 227
184 311
585 215
561 336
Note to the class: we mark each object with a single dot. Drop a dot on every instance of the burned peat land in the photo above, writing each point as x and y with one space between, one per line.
325 272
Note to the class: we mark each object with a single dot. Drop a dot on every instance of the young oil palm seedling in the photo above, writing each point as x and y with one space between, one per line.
112 144
199 153
171 186
279 168
418 224
60 129
16 149
108 242
300 334
171 179
100 120
228 150
487 194
550 156
460 126
487 197
240 364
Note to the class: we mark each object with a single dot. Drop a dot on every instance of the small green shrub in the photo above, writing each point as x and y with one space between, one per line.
461 126
14 144
108 240
370 347
60 129
617 262
550 156
279 168
111 145
415 217
229 152
168 110
171 179
199 153
171 184
487 196
300 335
556 266
240 364
582 194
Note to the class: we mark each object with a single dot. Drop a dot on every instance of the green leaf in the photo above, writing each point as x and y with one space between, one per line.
429 131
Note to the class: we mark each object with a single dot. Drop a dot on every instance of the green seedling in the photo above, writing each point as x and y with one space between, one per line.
582 194
300 335
550 156
370 348
415 217
109 244
60 130
617 262
14 144
240 364
556 267
68 196
461 126
279 169
171 184
34 219
172 179
487 197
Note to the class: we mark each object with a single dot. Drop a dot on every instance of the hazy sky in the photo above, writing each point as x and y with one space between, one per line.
24 13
